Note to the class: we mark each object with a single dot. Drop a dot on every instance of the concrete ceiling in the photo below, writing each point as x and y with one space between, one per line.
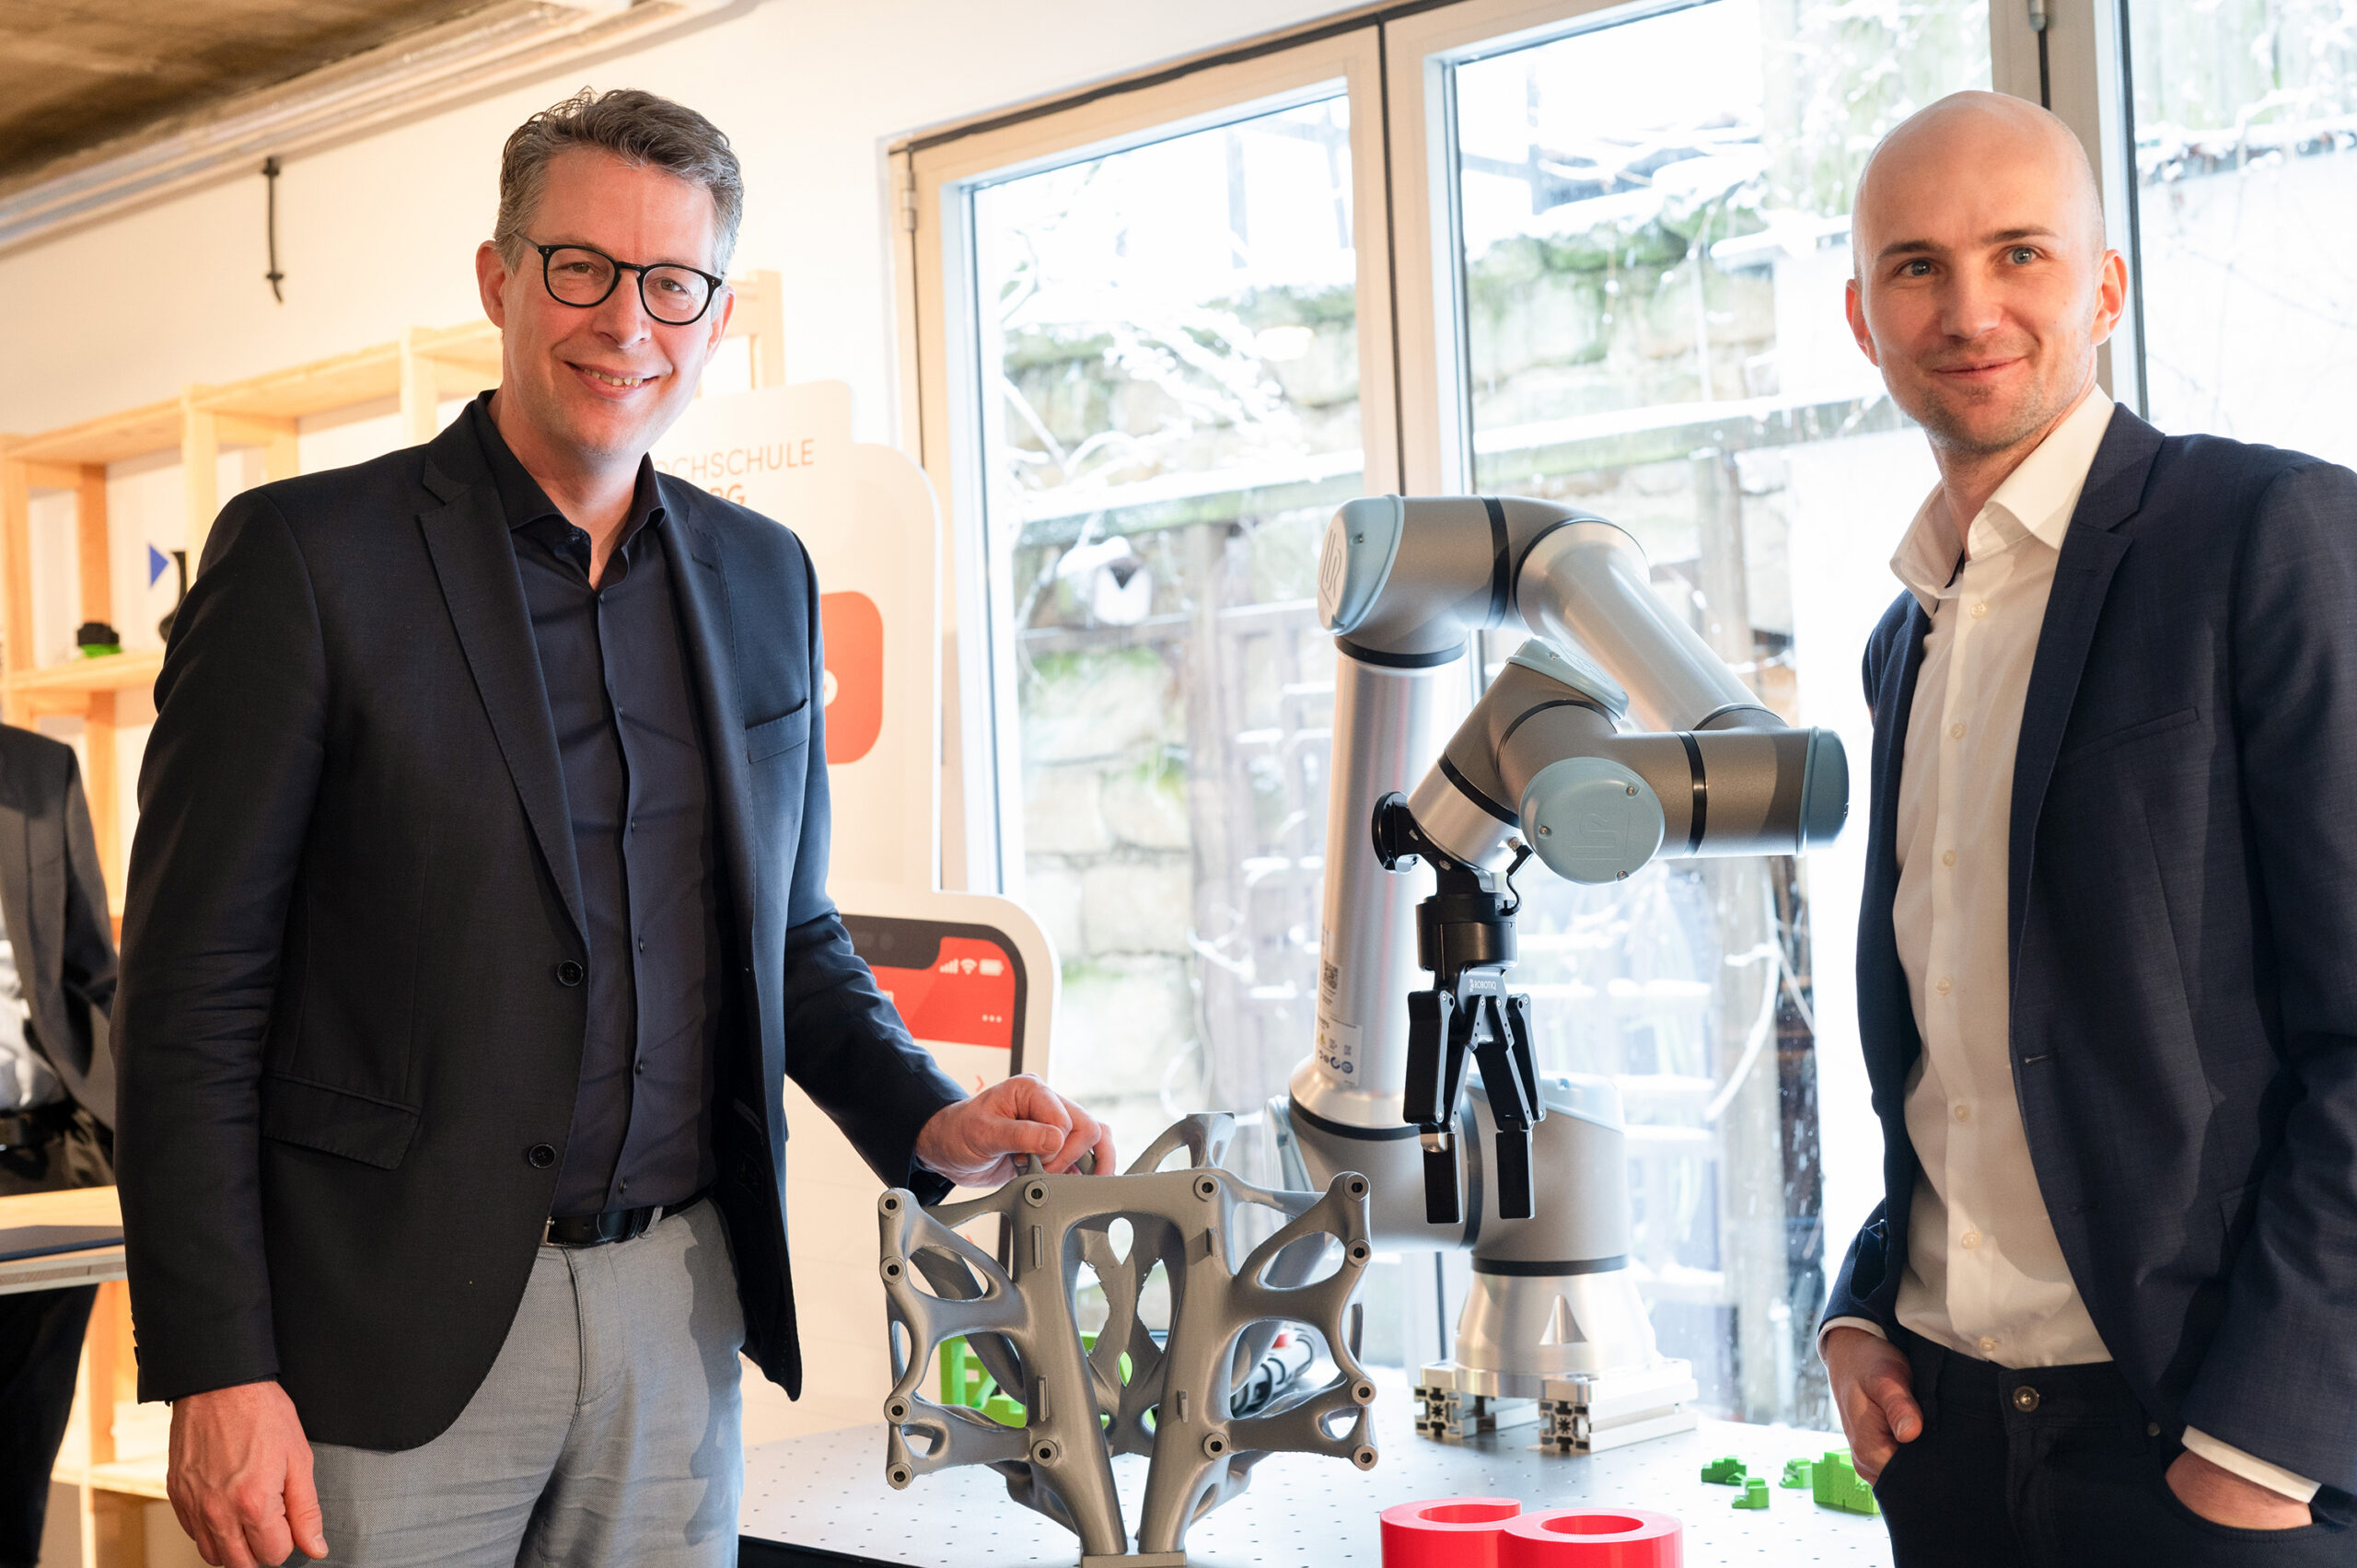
76 73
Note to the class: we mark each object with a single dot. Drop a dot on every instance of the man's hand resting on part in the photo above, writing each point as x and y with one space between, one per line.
240 1477
974 1142
1874 1391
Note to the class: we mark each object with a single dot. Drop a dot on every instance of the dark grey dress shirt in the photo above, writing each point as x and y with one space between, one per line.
630 738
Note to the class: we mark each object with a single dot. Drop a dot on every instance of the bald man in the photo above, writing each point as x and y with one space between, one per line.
2107 960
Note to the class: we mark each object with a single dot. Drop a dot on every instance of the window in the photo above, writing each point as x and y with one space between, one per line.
1164 322
2246 149
1557 249
1170 415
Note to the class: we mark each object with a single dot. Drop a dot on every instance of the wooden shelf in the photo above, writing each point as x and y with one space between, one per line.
109 438
109 672
365 375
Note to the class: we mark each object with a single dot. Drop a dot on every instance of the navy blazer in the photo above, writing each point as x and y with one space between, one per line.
2183 937
351 1010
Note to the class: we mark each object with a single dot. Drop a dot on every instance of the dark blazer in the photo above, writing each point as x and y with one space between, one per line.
55 896
2183 937
352 1021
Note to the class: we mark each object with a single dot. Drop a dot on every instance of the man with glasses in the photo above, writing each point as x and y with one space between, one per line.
476 913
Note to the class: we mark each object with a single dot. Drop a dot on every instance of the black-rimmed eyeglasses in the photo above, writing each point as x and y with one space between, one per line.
582 277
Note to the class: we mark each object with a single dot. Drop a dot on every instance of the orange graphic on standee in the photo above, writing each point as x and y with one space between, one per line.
854 630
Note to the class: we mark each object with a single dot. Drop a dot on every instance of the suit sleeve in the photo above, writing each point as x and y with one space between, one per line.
226 797
89 962
2280 1378
845 1044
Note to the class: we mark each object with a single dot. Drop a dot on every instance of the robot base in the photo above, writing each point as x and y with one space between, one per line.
1584 1413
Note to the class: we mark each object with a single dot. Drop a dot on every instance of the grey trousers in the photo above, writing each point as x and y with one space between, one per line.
607 1432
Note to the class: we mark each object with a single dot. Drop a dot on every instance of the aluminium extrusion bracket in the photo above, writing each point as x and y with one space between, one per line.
1173 1400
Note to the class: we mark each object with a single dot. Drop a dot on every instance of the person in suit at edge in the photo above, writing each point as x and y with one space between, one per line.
2107 1310
56 1094
478 912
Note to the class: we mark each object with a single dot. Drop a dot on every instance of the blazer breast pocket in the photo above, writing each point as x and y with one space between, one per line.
2143 730
784 733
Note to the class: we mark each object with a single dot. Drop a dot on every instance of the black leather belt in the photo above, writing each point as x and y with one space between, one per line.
614 1224
32 1129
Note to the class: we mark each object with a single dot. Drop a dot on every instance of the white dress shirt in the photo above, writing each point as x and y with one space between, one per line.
25 1079
1984 1274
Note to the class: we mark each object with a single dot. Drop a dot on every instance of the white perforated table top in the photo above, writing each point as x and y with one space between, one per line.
825 1494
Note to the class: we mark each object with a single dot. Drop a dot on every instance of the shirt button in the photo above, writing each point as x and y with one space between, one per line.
1970 1240
1980 612
539 1157
1944 985
1956 732
1964 1113
1948 858
1988 1345
569 973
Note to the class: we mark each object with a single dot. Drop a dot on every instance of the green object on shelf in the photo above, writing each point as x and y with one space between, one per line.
1835 1483
1796 1475
1727 1472
101 650
1754 1493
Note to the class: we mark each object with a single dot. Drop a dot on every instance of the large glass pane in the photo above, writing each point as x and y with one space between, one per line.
2247 186
1170 413
1655 237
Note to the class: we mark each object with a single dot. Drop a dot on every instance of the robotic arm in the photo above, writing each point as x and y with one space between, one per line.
1612 737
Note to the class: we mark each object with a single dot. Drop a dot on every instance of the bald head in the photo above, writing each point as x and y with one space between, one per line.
1974 141
1981 286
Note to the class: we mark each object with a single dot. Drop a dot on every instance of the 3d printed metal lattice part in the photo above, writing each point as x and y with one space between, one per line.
1017 1313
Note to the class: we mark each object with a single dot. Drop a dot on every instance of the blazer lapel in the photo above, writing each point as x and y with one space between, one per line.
2092 551
702 589
475 561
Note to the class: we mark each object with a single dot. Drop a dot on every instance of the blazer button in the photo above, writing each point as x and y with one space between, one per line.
2025 1399
541 1156
569 973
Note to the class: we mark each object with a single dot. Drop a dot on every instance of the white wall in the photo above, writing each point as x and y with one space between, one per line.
379 234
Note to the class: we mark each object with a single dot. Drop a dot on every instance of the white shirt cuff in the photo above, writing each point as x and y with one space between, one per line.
1868 1324
2298 1487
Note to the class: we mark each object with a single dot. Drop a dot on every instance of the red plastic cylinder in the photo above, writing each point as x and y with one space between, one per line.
1446 1532
1592 1537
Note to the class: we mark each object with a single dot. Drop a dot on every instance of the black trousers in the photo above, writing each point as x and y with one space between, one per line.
41 1341
2057 1467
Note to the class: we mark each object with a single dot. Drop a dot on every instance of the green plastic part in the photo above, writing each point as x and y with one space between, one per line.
1796 1474
1834 1481
1754 1493
1727 1472
964 1381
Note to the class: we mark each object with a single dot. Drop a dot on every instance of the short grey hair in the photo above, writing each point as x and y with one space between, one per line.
637 127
